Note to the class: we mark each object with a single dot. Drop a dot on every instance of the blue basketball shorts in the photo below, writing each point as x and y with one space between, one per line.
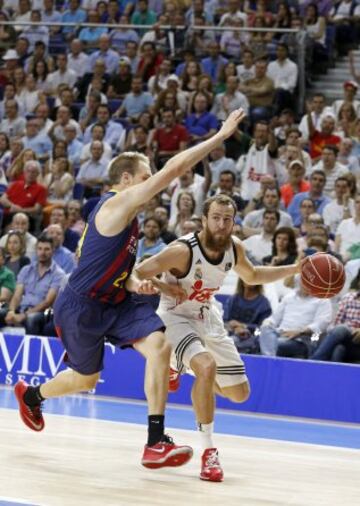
83 324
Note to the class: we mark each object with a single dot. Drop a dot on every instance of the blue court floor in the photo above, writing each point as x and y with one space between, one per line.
226 422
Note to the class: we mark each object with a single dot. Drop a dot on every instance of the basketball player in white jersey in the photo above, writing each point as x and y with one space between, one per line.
197 264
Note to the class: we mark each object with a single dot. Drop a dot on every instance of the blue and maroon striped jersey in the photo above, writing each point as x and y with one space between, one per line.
105 262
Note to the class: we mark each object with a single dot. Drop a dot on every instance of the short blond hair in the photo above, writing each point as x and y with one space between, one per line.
126 162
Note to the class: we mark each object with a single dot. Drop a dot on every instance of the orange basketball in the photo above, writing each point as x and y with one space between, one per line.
322 275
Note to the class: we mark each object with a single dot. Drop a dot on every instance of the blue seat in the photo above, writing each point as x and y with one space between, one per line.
114 104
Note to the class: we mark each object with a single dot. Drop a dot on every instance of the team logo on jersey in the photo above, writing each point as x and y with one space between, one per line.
228 266
201 294
198 262
198 273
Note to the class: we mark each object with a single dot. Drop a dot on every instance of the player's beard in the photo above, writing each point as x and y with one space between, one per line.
219 243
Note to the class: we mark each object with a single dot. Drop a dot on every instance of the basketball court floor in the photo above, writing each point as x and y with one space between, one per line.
89 454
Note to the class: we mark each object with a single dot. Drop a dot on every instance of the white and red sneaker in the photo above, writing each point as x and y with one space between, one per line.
30 415
174 380
166 454
210 466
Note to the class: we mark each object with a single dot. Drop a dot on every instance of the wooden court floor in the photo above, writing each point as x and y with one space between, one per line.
80 461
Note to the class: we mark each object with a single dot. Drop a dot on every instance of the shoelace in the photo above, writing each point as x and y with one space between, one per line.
212 460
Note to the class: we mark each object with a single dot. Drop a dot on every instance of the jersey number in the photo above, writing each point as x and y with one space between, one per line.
118 281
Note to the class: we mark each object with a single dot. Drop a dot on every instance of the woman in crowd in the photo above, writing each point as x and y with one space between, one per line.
228 70
284 248
185 209
15 248
189 78
244 313
40 74
15 171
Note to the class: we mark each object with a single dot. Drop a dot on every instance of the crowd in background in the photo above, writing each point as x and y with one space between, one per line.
72 97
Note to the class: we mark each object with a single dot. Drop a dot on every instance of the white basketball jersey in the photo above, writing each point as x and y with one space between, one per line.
203 279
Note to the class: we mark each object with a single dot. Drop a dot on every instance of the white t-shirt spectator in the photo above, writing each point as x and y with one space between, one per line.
349 233
258 246
252 167
283 74
333 214
255 219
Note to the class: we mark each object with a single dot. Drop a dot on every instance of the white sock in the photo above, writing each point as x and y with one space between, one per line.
206 432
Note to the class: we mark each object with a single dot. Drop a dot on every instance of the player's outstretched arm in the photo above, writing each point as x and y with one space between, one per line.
183 161
254 275
173 257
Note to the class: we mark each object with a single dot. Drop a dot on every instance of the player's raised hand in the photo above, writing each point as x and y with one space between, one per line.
232 121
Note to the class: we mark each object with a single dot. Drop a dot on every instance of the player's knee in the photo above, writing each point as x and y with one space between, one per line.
161 346
240 393
87 382
204 367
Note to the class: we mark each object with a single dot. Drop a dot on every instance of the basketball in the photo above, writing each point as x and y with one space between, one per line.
322 275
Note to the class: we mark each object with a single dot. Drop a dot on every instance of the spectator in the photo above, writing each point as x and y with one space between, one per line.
323 137
230 100
213 64
259 161
260 245
284 249
108 56
59 182
318 110
219 163
114 132
140 137
143 15
120 83
136 102
121 36
39 54
330 166
201 124
296 183
246 70
21 223
149 62
39 143
270 201
169 139
315 193
194 183
73 15
348 232
226 185
22 13
341 208
185 209
40 74
59 215
158 82
42 114
30 96
63 119
350 90
13 125
63 75
7 281
151 243
260 92
35 33
78 61
284 74
15 249
244 313
97 134
287 333
75 221
63 257
233 41
93 172
90 35
131 52
162 215
74 146
50 15
197 41
88 113
347 158
307 211
25 196
341 343
16 170
36 289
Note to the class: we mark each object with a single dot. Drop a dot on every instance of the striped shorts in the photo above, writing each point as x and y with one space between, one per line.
190 337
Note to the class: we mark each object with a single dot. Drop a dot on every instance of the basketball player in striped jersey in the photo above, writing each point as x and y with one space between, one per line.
197 264
96 301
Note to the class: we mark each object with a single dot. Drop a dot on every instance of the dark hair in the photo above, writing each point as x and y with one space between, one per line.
272 211
227 173
240 288
45 238
332 148
285 46
98 125
292 246
308 199
46 69
342 178
21 237
220 199
152 218
3 134
292 130
318 172
2 252
62 209
189 194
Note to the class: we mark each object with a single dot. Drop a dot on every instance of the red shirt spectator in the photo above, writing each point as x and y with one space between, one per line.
150 61
25 196
319 140
171 138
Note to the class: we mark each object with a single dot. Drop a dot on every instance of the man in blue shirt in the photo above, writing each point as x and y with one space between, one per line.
213 64
114 132
36 289
201 124
108 56
151 243
136 102
73 15
315 193
63 257
40 143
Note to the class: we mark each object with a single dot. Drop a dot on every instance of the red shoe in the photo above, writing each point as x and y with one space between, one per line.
166 454
174 380
30 415
211 468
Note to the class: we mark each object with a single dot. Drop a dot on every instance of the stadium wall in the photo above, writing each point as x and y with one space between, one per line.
279 386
